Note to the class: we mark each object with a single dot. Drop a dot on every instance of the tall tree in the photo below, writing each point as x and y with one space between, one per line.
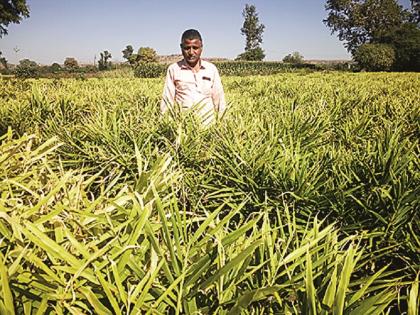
12 11
104 63
253 30
363 21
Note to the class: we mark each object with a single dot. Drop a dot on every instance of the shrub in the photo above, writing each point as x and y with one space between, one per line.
375 57
295 58
27 69
149 70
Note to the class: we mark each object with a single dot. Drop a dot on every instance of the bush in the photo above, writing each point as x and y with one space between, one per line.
256 54
27 69
375 57
295 58
149 70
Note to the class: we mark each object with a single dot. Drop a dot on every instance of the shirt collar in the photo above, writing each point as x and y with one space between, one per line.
184 65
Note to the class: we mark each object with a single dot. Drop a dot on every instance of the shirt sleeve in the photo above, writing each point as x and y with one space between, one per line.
168 95
218 94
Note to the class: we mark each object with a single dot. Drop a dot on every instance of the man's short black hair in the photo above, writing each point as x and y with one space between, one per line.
191 34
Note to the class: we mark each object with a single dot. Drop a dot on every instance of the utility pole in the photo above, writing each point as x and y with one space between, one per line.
16 50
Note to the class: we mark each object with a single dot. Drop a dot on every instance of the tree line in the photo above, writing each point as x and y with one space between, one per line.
380 35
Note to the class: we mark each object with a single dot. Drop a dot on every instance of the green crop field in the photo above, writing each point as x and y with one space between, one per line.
302 199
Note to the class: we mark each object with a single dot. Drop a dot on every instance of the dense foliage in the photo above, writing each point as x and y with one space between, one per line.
155 70
405 41
254 54
242 68
27 69
377 22
12 11
375 57
150 70
143 56
303 198
359 22
146 55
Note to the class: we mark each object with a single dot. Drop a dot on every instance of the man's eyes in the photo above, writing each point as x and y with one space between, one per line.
189 47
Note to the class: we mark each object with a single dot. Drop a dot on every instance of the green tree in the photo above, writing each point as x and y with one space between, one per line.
375 57
27 69
71 64
12 11
406 43
253 30
104 63
363 21
147 55
128 54
295 58
55 67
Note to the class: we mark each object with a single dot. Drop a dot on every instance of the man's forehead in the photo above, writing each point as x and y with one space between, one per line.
191 41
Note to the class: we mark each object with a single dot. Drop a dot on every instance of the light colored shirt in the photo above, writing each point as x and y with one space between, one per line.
201 91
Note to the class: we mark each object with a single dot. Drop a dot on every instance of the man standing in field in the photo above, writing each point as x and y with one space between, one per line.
193 83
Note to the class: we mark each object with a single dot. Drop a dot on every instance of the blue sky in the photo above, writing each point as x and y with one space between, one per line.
57 29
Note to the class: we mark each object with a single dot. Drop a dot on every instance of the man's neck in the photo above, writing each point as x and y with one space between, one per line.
196 67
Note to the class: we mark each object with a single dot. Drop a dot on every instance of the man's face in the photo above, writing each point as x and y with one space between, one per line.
191 50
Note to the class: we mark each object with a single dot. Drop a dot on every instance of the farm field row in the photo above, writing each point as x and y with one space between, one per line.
303 198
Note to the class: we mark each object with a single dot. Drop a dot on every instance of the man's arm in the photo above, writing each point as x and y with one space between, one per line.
218 95
168 95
